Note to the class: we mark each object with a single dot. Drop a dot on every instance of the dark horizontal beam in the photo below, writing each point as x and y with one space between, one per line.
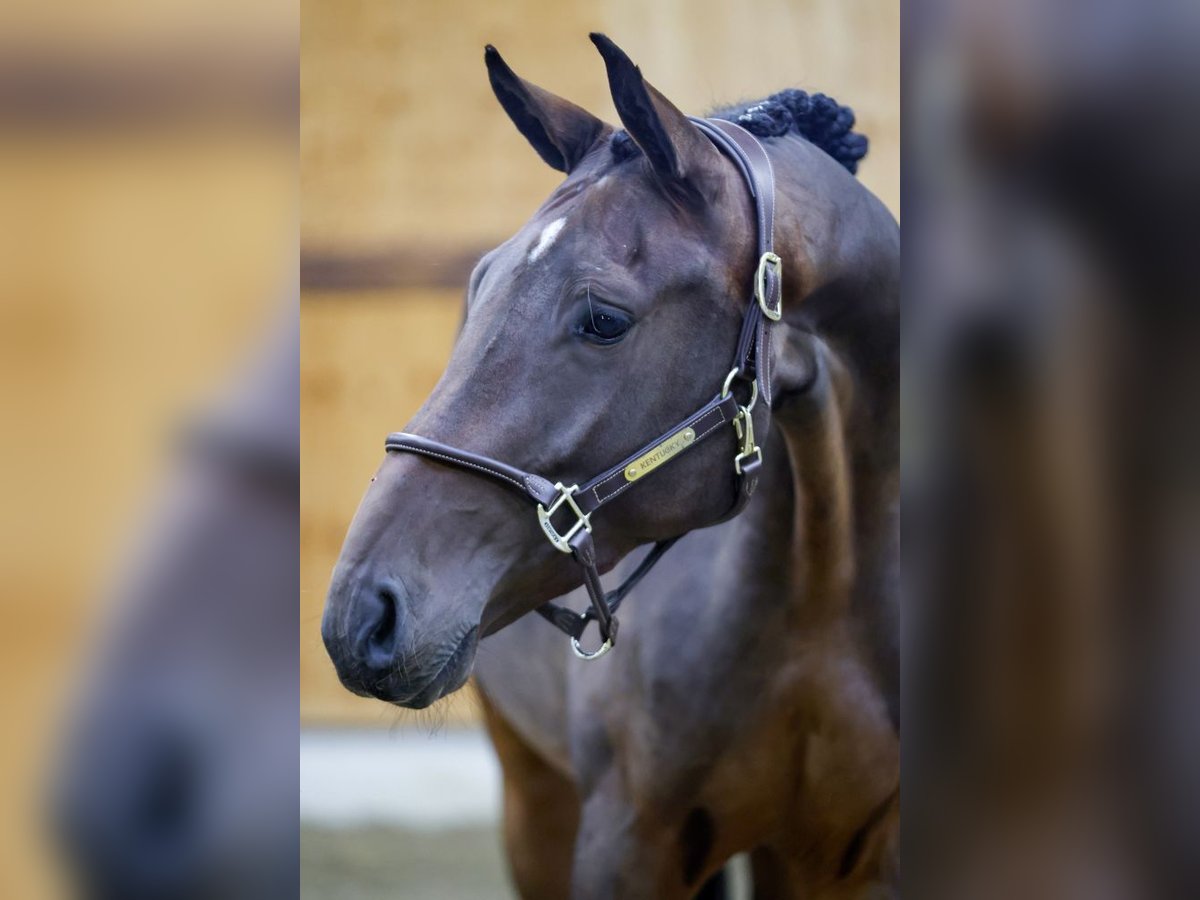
104 92
445 267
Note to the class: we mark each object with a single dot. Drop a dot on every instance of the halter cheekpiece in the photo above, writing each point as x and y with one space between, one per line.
572 506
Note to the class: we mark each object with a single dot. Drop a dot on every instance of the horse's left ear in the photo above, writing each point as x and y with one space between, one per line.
679 154
561 132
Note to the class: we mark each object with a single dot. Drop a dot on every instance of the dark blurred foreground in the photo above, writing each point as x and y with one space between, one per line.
1052 241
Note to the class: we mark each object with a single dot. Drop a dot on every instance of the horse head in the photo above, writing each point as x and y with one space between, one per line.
611 314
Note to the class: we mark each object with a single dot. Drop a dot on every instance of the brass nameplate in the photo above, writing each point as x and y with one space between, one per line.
671 447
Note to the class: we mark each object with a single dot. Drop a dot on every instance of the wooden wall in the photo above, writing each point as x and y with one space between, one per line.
368 360
410 169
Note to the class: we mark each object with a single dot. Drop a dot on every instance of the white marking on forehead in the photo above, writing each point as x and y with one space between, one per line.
549 234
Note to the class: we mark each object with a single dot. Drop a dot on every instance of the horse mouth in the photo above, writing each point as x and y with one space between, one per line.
450 676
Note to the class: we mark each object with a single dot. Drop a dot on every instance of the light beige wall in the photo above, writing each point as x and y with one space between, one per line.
402 140
367 363
404 150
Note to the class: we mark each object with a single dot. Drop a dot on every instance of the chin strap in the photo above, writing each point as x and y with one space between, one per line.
575 503
574 624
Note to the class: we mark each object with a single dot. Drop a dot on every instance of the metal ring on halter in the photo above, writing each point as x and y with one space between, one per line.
595 654
753 389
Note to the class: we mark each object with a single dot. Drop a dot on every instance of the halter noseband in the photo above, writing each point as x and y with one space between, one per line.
751 364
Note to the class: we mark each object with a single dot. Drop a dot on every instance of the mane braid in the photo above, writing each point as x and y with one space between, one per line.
817 118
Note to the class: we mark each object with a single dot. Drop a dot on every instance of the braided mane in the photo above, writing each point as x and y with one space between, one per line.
817 118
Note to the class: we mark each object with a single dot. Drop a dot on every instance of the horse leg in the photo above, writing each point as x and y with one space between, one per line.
541 814
878 874
777 878
623 854
869 868
774 879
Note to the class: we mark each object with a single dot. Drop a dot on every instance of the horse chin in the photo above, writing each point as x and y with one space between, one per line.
448 677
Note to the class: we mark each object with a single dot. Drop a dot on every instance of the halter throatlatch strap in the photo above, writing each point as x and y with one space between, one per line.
564 512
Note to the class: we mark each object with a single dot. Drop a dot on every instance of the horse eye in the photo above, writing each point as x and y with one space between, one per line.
603 326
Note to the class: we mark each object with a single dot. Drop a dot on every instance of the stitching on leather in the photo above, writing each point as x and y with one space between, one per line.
530 478
771 170
762 217
760 206
764 343
600 484
767 367
458 462
718 424
695 420
607 497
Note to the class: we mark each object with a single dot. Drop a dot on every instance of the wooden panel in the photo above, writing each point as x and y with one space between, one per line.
402 141
367 363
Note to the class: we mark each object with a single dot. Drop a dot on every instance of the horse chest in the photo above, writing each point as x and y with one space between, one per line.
678 721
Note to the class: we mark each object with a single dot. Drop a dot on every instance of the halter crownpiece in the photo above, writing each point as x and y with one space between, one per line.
564 512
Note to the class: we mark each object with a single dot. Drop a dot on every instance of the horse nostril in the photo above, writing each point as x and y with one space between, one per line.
383 637
380 632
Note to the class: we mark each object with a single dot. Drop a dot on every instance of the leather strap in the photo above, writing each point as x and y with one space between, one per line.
533 486
607 486
574 623
602 489
754 344
751 365
612 483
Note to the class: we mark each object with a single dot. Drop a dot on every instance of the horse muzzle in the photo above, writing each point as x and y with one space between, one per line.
378 649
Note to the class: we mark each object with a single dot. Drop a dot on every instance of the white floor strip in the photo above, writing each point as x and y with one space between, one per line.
446 780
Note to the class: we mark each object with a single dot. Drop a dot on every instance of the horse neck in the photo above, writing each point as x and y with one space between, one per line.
829 514
801 535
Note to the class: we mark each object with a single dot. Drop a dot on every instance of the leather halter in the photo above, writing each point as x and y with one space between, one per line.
751 365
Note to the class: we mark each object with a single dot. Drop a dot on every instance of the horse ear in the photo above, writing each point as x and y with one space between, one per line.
561 132
677 151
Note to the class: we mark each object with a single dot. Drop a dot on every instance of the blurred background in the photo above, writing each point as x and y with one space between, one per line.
410 171
147 247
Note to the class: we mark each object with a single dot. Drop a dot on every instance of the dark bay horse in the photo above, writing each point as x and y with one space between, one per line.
750 705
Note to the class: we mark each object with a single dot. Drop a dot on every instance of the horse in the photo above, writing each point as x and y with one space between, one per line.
177 771
751 703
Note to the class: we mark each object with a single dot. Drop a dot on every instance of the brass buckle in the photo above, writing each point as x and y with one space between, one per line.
744 426
760 285
565 495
